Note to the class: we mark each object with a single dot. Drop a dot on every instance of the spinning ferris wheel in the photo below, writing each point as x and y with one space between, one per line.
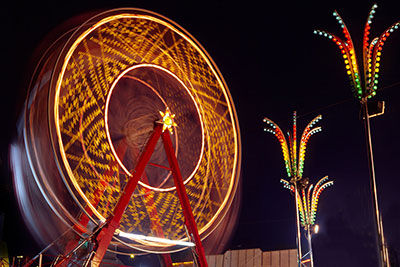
97 98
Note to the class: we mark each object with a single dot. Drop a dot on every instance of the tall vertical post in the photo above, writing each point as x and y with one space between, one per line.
380 239
298 235
294 163
293 149
310 245
371 55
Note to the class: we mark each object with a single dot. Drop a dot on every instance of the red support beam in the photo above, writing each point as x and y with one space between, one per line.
183 198
105 235
155 225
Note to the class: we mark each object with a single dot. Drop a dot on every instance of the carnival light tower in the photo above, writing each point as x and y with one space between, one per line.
364 86
306 195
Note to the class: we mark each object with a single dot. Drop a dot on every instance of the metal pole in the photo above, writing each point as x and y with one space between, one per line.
383 261
384 245
299 254
310 246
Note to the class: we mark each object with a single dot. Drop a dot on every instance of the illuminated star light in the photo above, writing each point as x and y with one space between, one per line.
168 120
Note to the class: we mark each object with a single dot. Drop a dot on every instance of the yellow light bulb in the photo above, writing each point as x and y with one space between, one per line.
168 121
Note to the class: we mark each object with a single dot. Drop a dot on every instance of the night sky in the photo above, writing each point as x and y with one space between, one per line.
273 64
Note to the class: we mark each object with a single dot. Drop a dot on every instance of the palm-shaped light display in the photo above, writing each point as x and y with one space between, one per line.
307 200
294 163
366 86
307 196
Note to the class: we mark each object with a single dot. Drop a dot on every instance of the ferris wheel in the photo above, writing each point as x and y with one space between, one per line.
97 97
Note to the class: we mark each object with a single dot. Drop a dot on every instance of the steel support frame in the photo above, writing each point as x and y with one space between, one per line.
106 234
183 198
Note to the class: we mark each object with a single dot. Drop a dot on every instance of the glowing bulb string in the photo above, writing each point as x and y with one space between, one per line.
293 157
308 198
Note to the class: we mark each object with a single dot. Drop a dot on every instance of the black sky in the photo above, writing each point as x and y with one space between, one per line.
273 65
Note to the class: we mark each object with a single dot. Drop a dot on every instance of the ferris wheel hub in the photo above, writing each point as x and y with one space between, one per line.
168 120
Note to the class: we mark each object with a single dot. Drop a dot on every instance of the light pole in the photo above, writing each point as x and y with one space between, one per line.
306 204
364 86
307 199
309 235
310 247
